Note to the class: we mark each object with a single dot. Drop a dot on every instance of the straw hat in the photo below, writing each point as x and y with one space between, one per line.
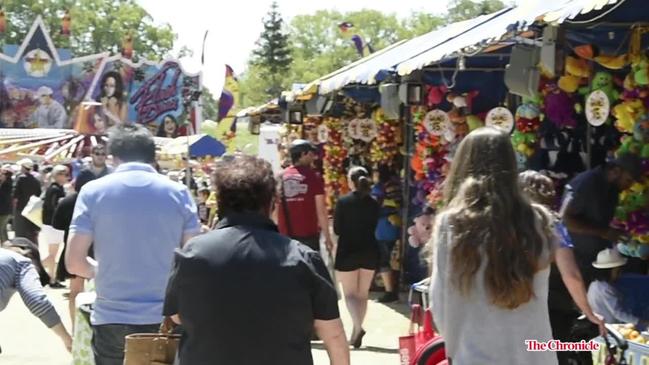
608 259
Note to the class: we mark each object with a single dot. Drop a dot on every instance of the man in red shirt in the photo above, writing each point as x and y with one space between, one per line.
301 209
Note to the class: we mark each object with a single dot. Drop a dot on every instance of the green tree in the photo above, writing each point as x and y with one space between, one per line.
273 53
209 105
466 9
318 48
419 23
97 26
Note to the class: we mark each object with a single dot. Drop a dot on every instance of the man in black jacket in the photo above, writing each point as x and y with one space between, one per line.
26 185
220 276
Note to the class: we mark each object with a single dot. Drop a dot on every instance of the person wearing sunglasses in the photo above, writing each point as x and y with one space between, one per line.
98 167
53 237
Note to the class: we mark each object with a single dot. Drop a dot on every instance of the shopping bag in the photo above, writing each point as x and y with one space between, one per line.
407 349
152 348
34 210
422 345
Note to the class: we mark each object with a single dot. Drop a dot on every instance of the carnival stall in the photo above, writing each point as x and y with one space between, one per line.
567 80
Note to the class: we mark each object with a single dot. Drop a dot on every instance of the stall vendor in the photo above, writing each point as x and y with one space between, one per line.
589 205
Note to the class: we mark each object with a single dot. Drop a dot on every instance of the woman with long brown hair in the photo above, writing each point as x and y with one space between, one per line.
491 257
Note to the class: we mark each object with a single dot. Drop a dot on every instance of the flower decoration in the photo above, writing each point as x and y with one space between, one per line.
385 146
333 164
429 161
632 213
527 124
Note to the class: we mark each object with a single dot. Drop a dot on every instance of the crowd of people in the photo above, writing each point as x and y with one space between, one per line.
501 256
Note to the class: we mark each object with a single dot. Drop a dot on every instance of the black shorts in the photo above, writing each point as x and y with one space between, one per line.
313 242
357 260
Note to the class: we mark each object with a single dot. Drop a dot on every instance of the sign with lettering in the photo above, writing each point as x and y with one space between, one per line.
42 86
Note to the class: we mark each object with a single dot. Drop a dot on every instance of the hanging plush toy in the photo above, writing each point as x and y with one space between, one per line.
576 70
421 230
463 102
559 107
641 129
592 53
435 95
640 71
602 81
627 113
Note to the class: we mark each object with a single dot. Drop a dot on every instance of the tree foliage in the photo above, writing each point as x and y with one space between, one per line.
96 26
317 47
209 105
467 9
273 54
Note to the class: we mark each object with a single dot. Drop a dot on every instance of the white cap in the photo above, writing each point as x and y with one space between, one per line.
26 163
44 90
608 259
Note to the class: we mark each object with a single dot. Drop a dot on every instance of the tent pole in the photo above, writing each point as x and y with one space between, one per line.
405 204
188 178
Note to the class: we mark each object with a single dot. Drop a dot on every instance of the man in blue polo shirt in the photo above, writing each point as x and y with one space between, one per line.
135 218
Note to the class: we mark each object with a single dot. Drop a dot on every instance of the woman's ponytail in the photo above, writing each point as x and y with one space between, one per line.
361 180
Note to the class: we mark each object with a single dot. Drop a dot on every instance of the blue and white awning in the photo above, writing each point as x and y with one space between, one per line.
407 56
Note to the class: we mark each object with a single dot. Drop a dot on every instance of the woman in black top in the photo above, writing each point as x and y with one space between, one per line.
53 238
6 206
62 220
357 256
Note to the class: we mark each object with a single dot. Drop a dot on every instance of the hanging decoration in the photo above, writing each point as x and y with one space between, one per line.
632 119
437 122
323 133
367 129
429 162
500 118
354 129
598 108
65 24
334 158
386 145
3 21
528 122
127 46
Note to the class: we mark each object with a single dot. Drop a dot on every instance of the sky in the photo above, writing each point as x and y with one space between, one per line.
234 25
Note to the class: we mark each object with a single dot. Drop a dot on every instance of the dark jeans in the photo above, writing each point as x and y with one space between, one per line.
108 341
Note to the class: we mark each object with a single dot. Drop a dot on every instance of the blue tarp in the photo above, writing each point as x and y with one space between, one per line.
206 146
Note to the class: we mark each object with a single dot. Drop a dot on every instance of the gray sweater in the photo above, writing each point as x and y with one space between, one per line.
18 274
